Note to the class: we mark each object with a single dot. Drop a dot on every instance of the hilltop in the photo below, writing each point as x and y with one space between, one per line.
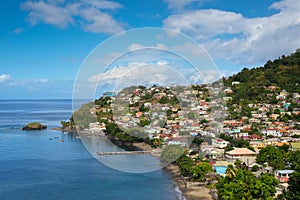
282 73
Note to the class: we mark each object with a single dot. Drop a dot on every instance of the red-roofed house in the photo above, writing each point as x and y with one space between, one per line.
254 137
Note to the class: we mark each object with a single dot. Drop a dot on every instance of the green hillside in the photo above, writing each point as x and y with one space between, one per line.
284 73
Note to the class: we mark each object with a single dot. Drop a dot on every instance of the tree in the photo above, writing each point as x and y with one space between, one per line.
238 163
293 192
156 142
273 156
255 168
171 153
244 185
185 165
231 172
201 170
163 100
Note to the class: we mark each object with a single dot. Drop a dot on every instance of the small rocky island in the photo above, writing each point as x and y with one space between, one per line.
34 126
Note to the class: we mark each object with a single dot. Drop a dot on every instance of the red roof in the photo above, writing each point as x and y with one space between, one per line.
254 136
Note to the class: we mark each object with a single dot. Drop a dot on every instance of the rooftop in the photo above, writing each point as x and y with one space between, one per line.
241 151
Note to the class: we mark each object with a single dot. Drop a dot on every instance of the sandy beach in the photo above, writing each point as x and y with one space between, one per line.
192 192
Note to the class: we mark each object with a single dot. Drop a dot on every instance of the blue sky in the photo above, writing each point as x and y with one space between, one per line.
43 43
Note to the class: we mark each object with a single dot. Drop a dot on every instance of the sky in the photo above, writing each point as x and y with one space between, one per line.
44 43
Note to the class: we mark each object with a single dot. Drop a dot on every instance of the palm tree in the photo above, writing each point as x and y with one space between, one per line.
231 172
238 163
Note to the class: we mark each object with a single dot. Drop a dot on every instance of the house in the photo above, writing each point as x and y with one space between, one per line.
283 175
219 143
228 91
296 95
235 83
227 98
256 144
243 136
295 131
272 132
295 146
138 114
254 137
240 153
216 153
284 93
179 141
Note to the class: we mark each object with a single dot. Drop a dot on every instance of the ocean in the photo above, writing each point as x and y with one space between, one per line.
35 165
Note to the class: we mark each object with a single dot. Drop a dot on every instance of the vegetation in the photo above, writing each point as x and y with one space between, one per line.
172 152
274 156
185 165
283 72
34 126
242 184
200 171
293 191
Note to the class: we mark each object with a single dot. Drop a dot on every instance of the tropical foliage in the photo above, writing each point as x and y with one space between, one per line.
240 184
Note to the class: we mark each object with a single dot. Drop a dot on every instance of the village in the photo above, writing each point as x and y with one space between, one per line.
183 115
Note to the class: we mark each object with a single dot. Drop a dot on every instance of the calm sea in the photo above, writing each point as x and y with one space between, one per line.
35 165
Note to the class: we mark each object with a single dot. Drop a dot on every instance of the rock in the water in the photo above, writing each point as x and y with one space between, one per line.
34 126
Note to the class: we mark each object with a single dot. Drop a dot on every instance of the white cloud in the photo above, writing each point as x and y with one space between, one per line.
29 83
250 41
18 30
99 22
4 77
48 13
138 73
162 62
103 4
135 46
180 4
90 15
44 80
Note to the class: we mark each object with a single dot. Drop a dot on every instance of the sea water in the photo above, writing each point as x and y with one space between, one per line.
38 165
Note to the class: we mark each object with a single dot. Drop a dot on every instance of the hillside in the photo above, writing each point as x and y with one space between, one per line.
284 73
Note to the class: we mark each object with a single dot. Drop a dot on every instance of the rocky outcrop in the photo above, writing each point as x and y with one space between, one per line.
34 126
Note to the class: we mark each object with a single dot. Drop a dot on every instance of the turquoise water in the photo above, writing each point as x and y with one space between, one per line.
220 169
35 165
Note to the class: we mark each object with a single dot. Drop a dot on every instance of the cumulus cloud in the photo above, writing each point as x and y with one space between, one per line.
48 13
232 36
90 15
139 73
4 77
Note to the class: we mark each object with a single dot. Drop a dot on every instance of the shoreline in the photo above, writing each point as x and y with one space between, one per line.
188 191
191 192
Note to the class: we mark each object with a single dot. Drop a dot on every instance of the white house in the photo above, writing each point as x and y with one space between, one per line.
219 143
